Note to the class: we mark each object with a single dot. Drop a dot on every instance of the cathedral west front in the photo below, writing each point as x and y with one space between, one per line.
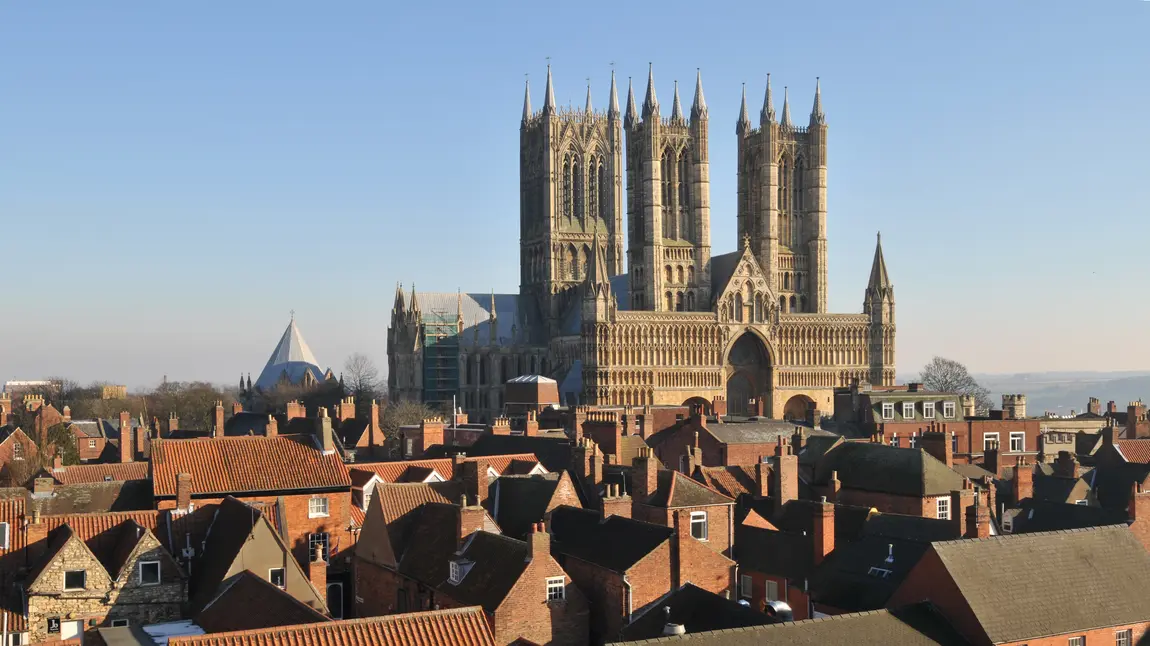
654 317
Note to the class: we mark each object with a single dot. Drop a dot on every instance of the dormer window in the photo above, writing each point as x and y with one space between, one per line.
888 410
908 410
948 409
457 569
75 580
928 410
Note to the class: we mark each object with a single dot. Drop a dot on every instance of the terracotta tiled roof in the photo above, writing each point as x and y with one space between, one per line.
677 490
730 481
401 498
88 526
455 627
513 464
246 464
357 516
1134 450
116 472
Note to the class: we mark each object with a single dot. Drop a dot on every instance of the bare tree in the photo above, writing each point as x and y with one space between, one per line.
361 379
193 403
949 376
397 415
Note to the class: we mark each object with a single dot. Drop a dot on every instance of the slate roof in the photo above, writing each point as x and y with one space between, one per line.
972 471
1058 488
554 453
786 554
797 516
814 446
246 465
91 497
230 528
915 528
677 490
722 268
1104 563
497 563
1049 516
248 602
292 357
615 543
1112 482
475 309
917 625
697 610
86 427
111 472
455 627
401 501
519 501
887 469
760 431
864 574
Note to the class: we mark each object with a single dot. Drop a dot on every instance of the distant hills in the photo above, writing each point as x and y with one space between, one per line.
1061 392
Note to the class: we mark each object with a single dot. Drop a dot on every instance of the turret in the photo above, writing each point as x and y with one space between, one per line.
613 108
549 98
786 121
676 107
698 105
526 101
630 118
818 118
767 114
588 108
879 306
743 125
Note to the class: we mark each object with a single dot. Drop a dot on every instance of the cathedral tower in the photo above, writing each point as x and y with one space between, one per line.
570 199
782 200
668 203
878 304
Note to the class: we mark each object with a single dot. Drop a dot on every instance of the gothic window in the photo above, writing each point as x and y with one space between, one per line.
577 182
798 282
572 264
670 302
665 175
679 302
504 370
604 194
685 232
783 304
679 274
793 304
739 307
593 184
690 301
759 308
784 195
786 281
585 264
482 371
667 273
568 181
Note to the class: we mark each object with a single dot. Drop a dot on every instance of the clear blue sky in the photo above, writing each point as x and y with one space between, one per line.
176 177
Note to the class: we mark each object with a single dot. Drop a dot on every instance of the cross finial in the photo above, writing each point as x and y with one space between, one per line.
293 315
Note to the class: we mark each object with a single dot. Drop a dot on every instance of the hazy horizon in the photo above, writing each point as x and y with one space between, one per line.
177 179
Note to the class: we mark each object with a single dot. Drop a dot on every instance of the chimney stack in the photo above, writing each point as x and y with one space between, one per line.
67 415
1065 465
237 408
218 427
184 492
990 458
375 433
539 541
1023 481
785 474
615 503
317 570
762 480
939 444
531 426
1094 406
173 423
272 428
294 410
127 441
475 480
323 431
824 530
977 520
644 475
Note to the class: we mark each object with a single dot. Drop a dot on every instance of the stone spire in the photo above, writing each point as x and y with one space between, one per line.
631 115
613 108
676 107
879 280
767 115
588 108
744 123
414 299
786 108
698 106
650 104
549 97
818 118
527 101
399 300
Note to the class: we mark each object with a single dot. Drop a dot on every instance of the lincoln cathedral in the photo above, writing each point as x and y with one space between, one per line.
674 323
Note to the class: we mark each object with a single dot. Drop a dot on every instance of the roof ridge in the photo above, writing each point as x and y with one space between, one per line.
1033 535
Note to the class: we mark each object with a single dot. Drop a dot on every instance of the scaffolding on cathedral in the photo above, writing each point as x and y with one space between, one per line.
440 358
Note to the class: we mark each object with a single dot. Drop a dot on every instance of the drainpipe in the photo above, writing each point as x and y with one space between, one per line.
627 585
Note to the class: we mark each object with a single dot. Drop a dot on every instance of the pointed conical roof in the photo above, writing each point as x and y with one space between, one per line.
527 101
613 108
767 114
629 118
414 299
292 357
549 97
699 105
744 123
651 103
399 300
818 118
676 107
786 108
588 108
879 279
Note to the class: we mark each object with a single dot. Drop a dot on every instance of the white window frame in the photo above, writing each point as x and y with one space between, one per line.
948 410
942 508
15 639
1124 637
6 530
318 538
283 577
987 437
954 443
83 586
556 588
1014 435
314 507
896 441
772 591
699 517
928 410
888 410
454 572
140 572
91 444
908 410
1077 640
120 622
1008 523
746 586
913 441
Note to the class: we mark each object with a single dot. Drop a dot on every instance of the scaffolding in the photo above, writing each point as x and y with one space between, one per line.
440 359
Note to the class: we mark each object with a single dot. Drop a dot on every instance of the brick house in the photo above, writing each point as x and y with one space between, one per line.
974 585
625 565
666 497
19 457
728 443
247 601
121 577
446 559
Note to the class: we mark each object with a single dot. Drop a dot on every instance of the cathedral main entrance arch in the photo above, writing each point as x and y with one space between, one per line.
748 374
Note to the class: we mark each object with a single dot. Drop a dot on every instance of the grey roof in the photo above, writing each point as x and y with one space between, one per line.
758 431
1106 563
864 574
291 358
887 469
87 427
723 266
878 275
615 543
909 626
531 379
695 609
621 288
475 309
972 471
1043 516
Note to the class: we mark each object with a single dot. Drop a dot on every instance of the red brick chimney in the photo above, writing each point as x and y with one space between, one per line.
1023 481
272 429
471 517
37 537
785 474
218 428
977 520
1111 407
317 571
615 503
824 530
594 464
345 409
719 405
682 535
762 480
475 481
531 426
644 475
431 432
144 435
1065 465
184 491
1094 406
127 440
990 458
125 421
294 410
237 408
538 542
938 444
173 423
501 426
834 487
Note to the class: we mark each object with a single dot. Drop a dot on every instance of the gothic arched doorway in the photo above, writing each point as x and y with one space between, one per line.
796 407
748 377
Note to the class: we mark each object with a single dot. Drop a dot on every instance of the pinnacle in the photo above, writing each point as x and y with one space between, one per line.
527 101
786 121
818 118
549 98
613 109
631 115
744 123
699 105
651 102
676 107
588 108
767 115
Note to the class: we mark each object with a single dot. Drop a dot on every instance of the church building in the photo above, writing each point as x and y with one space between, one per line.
675 323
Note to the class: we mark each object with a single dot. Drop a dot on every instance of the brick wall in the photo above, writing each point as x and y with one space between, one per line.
526 613
890 503
719 522
788 591
606 596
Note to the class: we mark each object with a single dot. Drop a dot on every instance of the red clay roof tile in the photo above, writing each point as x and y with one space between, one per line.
399 471
114 472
